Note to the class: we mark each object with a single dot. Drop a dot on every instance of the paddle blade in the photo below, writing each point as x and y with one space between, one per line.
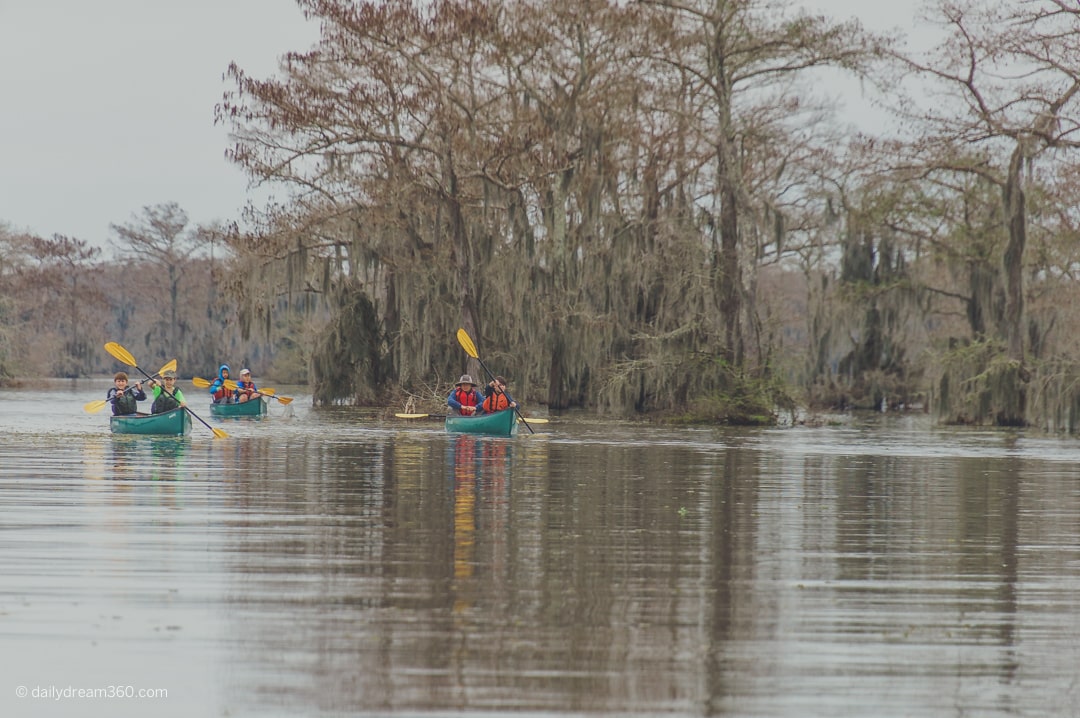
205 383
169 366
530 420
219 433
120 353
412 416
94 407
272 393
466 343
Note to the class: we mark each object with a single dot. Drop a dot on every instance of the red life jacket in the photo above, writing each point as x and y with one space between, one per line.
496 402
467 398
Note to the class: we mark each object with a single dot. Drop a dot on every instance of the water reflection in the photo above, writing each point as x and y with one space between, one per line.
123 457
545 576
463 461
343 567
477 466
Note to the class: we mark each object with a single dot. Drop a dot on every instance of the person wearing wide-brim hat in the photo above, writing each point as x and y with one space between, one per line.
465 399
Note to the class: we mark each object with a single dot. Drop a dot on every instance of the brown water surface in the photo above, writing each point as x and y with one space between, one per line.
319 563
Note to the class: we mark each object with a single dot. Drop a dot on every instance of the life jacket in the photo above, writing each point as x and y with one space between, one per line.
218 392
124 404
164 402
496 402
467 398
245 387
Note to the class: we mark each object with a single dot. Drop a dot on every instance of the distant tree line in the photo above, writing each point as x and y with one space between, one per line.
154 290
651 207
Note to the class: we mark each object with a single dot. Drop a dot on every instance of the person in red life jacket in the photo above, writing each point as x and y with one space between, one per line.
245 388
496 398
219 393
465 399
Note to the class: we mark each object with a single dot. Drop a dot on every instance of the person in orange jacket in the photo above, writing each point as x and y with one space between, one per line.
496 397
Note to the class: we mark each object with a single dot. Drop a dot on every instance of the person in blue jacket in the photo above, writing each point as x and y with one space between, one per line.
465 399
245 388
219 394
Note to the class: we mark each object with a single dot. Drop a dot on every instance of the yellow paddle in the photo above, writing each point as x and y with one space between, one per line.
466 343
271 392
126 357
94 407
232 385
205 383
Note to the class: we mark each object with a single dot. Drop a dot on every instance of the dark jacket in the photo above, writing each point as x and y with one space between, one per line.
163 402
124 403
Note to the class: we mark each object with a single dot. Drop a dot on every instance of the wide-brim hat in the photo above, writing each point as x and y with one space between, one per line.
168 374
465 379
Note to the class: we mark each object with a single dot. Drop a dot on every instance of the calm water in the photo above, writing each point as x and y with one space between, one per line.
317 563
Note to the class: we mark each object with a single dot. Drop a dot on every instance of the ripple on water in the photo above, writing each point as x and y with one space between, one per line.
332 564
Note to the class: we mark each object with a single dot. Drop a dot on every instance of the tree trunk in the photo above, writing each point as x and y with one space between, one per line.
730 275
174 300
1016 218
464 262
1014 401
557 379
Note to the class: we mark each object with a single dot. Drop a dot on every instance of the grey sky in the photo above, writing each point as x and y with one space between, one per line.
106 106
877 15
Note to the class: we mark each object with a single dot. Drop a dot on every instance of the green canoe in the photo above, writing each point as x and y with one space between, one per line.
172 423
254 407
501 423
